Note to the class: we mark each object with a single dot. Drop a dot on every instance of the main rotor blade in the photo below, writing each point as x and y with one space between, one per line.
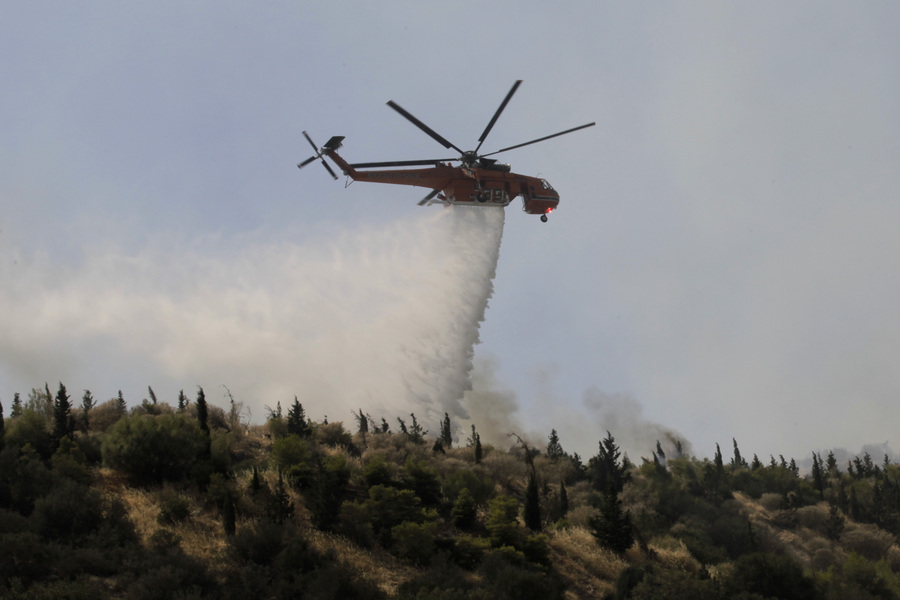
400 163
307 161
541 139
437 137
327 168
311 143
496 116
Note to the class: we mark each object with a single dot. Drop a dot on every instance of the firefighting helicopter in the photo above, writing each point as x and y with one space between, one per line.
478 180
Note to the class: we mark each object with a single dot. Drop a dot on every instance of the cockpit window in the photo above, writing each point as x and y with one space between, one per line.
546 184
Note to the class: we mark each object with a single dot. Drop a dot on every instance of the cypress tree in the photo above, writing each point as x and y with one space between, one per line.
63 422
228 517
563 500
532 510
818 476
737 461
87 403
446 433
255 484
121 407
16 409
2 426
202 410
361 421
416 433
475 442
182 401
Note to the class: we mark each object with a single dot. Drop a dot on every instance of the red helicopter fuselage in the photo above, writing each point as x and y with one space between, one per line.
474 186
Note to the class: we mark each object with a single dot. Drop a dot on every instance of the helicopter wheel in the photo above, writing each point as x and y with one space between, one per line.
543 218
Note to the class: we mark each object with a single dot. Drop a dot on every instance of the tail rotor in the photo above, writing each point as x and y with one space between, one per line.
317 155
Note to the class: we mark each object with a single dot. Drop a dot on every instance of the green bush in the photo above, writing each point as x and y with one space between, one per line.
173 508
771 575
153 449
68 513
414 542
502 521
292 457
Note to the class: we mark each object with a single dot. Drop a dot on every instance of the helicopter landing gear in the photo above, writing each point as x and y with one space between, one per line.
543 218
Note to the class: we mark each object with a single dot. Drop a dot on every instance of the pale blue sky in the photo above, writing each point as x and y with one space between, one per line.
724 259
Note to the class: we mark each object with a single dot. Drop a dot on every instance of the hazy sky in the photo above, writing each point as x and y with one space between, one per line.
724 262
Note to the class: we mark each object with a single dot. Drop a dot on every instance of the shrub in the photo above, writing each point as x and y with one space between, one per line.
468 550
173 508
481 487
292 457
423 480
771 575
414 542
258 543
69 512
388 507
154 449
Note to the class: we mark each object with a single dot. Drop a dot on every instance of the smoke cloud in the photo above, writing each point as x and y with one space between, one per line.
385 320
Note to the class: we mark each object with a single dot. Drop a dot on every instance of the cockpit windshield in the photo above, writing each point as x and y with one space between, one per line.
546 184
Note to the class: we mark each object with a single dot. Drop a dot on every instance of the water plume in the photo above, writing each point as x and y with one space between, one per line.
384 319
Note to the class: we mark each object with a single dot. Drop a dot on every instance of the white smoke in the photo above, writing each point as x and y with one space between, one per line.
385 320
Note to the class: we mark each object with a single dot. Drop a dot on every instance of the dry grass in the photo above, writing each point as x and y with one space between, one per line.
377 566
588 570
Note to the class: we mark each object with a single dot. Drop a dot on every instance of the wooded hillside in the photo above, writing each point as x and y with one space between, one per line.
189 501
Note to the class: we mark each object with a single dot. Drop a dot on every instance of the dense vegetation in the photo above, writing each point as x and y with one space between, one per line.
189 501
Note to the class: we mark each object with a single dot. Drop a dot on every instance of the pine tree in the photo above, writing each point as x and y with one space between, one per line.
446 437
182 401
554 448
152 396
280 507
87 403
605 469
16 409
612 527
63 422
121 407
2 426
464 509
532 510
831 464
297 424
